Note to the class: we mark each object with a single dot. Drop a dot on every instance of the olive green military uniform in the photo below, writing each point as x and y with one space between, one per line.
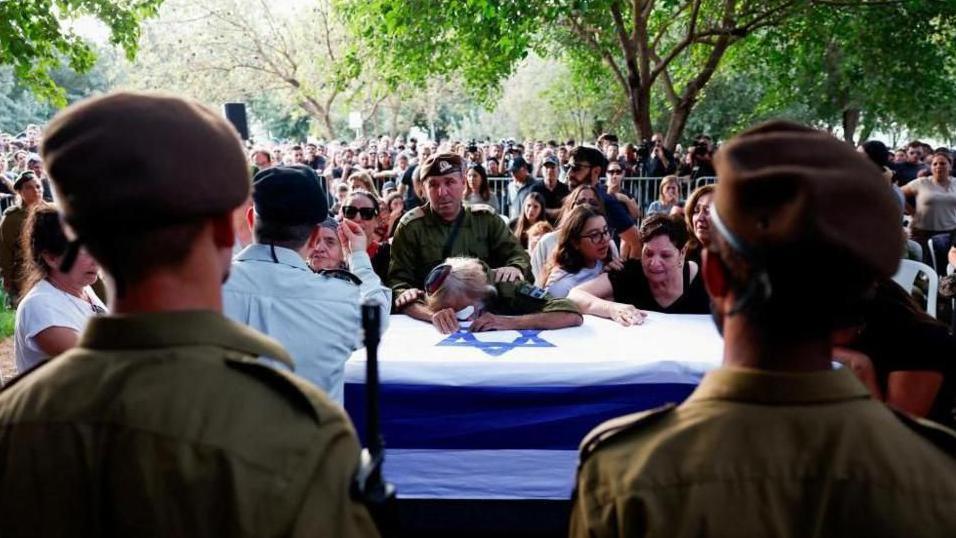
421 236
11 257
520 298
164 425
759 453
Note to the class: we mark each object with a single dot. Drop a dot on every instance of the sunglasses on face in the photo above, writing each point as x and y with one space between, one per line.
614 172
368 213
579 166
597 237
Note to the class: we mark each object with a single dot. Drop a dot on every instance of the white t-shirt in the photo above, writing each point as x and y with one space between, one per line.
46 306
935 205
560 281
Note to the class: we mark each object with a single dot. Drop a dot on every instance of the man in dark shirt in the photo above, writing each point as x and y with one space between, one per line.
909 169
586 165
661 162
911 353
550 188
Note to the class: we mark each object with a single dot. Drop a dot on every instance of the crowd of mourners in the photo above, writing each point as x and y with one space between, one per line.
562 238
420 228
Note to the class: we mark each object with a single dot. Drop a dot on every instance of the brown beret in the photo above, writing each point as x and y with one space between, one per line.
440 164
783 184
136 159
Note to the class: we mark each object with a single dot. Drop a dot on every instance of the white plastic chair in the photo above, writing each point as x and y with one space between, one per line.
906 277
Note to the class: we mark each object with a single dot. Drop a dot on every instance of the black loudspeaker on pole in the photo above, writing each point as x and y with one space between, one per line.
236 114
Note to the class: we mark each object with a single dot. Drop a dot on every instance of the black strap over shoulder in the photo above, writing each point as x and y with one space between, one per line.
450 242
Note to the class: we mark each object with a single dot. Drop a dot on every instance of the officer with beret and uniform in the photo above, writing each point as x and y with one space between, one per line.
30 192
317 318
444 228
161 422
461 292
777 442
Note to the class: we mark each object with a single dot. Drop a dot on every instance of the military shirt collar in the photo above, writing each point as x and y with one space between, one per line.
436 219
179 328
766 387
262 253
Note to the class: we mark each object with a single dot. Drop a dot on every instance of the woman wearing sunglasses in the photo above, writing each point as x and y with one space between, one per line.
57 306
363 208
584 249
461 293
661 280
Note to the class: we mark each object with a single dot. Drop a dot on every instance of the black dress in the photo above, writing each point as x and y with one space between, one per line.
631 287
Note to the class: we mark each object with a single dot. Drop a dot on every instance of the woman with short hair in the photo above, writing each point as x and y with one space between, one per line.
58 304
461 291
669 197
661 280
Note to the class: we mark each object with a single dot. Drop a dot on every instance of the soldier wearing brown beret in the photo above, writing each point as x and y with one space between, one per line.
444 228
161 422
777 442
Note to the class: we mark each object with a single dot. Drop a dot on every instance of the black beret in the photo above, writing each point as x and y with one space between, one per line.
289 195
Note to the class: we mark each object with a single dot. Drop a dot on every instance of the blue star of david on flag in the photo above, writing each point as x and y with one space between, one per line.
464 338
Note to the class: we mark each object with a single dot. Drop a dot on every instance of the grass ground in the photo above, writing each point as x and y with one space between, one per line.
6 318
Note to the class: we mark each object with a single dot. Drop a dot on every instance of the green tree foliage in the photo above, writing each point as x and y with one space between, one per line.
893 63
35 37
20 106
661 55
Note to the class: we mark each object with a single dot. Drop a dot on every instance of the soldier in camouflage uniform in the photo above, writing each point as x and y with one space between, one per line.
444 228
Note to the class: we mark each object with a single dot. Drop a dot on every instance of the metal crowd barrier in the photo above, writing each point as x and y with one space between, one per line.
644 190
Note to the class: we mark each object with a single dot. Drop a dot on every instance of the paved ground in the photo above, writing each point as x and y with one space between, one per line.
6 358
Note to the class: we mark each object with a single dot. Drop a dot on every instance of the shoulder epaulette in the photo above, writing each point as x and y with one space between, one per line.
481 208
615 426
941 436
292 388
530 290
341 274
412 215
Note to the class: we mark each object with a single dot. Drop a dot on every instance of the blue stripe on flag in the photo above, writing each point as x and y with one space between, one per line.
549 418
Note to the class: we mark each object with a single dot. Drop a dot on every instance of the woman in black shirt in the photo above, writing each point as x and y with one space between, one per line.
661 280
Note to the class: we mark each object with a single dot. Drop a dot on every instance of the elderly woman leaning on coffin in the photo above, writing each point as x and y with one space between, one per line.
461 293
662 280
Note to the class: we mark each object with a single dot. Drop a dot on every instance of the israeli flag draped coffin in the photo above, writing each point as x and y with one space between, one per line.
499 415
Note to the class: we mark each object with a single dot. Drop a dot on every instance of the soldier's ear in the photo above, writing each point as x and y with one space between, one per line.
251 217
223 231
715 276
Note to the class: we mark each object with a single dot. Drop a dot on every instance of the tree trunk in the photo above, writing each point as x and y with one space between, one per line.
868 128
320 114
678 121
851 120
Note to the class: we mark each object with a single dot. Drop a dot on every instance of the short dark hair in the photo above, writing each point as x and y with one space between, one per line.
659 224
877 152
592 156
290 236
